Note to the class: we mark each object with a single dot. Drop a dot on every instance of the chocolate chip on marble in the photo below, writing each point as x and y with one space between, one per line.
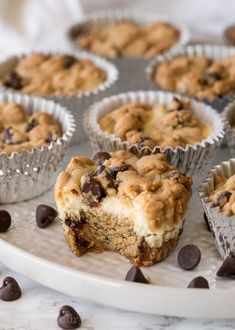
33 123
135 275
199 283
10 289
45 215
5 221
13 80
69 61
7 136
189 257
206 222
68 318
101 156
115 169
227 269
92 189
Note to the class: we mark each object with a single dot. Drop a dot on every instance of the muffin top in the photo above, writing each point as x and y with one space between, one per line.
21 131
230 34
171 125
152 192
197 76
223 195
40 74
126 38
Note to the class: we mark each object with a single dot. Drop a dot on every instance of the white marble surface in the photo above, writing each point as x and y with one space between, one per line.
38 307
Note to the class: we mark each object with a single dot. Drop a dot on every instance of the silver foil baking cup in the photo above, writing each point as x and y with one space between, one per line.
223 227
131 66
229 116
192 160
77 104
28 174
214 52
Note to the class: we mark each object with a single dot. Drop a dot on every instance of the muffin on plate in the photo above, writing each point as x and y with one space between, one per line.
122 203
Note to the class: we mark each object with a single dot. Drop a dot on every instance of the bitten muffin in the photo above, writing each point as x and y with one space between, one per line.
61 75
223 195
119 202
21 131
126 38
198 76
171 125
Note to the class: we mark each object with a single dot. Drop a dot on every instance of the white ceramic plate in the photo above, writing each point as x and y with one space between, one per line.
43 255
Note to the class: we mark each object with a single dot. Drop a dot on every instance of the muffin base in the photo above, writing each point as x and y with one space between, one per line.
100 232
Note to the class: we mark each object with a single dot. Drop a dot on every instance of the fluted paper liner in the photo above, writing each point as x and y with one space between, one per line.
214 52
222 226
28 174
79 103
192 160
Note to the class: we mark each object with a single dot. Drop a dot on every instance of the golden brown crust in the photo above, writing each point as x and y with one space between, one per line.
170 125
40 74
197 76
126 38
20 131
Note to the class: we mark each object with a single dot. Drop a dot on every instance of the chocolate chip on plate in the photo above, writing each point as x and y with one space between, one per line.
45 215
206 222
227 269
199 283
189 257
135 275
92 189
101 156
5 221
68 318
10 289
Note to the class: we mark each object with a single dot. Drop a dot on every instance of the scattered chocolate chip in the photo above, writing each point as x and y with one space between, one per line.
189 257
206 222
5 221
222 199
7 136
92 189
33 123
227 269
45 215
115 169
68 318
99 170
10 289
101 156
135 275
13 80
199 283
69 61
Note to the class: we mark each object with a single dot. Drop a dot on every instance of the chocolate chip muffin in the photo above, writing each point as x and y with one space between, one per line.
61 75
197 76
126 38
119 202
171 125
229 34
21 131
223 195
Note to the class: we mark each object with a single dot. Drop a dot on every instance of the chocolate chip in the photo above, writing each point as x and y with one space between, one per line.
31 125
199 283
135 275
49 138
77 31
206 222
68 318
115 169
10 290
7 136
179 104
99 170
13 80
69 61
92 189
189 257
45 215
222 199
227 269
5 221
101 156
211 77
